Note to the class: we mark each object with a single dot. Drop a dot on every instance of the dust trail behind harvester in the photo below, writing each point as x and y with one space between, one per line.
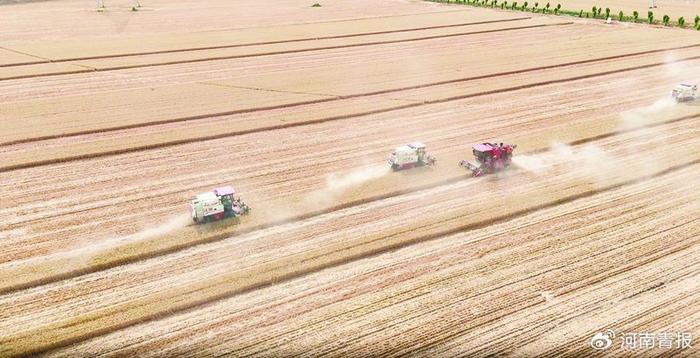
644 116
170 225
336 185
589 160
594 162
87 249
339 183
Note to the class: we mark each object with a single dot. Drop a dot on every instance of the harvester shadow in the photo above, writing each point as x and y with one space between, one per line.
693 103
216 226
417 171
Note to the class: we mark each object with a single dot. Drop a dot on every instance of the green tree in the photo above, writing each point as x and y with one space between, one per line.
546 8
514 5
524 6
681 21
556 9
666 19
635 15
580 13
621 16
595 11
607 12
697 20
650 17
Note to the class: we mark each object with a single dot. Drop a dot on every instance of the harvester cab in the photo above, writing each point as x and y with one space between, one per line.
216 205
490 158
684 92
410 156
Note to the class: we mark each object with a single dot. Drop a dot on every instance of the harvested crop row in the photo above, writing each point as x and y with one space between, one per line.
255 46
428 317
52 21
151 101
332 109
341 256
457 204
343 59
106 215
283 193
501 252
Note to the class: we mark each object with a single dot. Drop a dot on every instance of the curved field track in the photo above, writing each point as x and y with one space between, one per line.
104 137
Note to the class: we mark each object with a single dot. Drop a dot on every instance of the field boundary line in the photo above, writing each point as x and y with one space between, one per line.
44 59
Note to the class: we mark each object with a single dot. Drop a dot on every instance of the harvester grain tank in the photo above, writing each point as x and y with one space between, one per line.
684 92
490 158
410 156
216 205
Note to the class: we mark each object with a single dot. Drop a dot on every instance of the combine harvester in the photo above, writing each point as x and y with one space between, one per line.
216 205
684 92
491 157
410 156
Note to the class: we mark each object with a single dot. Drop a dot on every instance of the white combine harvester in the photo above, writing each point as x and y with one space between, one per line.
684 92
216 205
410 156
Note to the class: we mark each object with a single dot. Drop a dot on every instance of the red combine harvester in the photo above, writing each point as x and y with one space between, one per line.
491 157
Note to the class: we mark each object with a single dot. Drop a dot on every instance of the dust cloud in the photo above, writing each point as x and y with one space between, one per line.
170 225
339 183
646 115
588 160
335 186
85 250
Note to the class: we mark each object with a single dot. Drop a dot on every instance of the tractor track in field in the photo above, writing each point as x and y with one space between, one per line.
634 319
305 326
390 194
310 325
619 271
261 43
493 289
373 93
558 351
280 52
598 240
522 304
367 200
280 279
327 119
